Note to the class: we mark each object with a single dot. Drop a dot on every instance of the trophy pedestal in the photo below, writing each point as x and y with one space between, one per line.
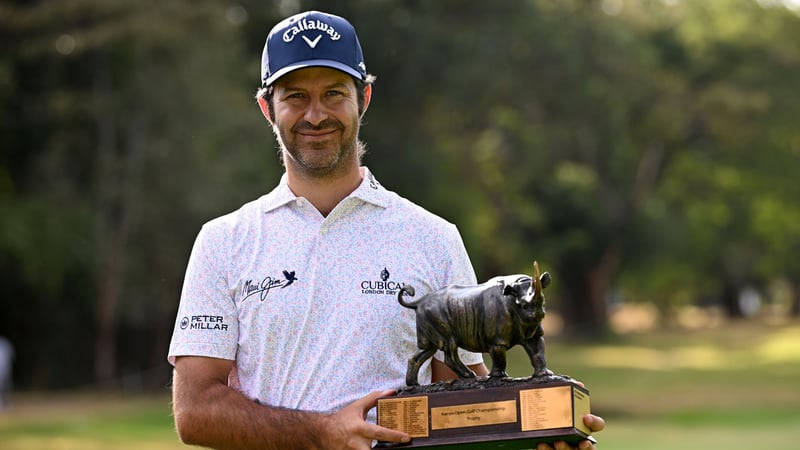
509 414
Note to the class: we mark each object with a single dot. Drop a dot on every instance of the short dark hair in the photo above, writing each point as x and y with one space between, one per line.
361 86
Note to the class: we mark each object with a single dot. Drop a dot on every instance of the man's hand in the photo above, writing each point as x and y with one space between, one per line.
210 413
595 423
348 428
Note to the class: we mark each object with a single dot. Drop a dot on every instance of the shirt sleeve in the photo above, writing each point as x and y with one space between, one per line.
207 320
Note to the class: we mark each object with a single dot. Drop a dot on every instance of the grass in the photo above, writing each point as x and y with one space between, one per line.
730 387
88 421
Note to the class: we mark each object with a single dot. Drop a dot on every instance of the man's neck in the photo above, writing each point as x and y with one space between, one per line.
324 193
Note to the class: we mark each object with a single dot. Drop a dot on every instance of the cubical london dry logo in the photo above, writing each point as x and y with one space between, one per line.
383 285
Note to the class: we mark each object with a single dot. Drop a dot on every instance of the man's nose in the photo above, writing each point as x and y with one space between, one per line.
316 112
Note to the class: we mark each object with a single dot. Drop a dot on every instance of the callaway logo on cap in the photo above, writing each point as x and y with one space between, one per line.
311 39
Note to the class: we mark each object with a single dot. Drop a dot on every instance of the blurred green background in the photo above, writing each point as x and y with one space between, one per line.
644 152
729 387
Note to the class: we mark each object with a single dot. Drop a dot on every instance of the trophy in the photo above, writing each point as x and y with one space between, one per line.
497 412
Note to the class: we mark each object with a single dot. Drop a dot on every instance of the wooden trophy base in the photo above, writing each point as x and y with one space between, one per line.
508 414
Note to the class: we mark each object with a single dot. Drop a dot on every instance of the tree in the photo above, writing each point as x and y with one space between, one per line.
117 119
729 190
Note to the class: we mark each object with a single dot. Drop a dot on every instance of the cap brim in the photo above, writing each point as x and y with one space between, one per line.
313 63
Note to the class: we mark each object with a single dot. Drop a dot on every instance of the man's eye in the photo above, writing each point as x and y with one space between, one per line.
334 93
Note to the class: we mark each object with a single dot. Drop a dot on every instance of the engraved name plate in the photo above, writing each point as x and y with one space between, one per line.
474 414
513 417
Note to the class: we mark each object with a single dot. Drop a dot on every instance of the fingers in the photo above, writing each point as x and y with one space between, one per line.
388 435
579 383
595 423
380 433
561 445
369 401
558 445
367 430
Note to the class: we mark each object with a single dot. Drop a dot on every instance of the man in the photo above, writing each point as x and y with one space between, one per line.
6 366
288 330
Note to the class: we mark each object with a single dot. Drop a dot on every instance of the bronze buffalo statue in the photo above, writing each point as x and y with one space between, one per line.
489 317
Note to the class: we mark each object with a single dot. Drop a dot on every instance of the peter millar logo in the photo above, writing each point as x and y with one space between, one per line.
305 25
204 322
383 286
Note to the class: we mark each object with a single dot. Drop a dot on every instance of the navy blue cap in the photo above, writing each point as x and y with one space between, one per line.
311 39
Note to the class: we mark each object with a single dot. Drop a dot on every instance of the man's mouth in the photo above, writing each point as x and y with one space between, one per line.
317 133
324 129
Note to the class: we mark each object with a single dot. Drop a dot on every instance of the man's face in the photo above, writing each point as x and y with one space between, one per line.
316 120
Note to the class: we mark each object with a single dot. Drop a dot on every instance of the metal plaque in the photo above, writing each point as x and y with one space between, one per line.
472 415
406 414
542 409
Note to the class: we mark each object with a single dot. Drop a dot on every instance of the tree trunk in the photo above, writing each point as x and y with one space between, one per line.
599 279
118 182
107 249
729 298
584 288
109 277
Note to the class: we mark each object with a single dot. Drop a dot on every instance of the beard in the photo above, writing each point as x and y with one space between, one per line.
321 159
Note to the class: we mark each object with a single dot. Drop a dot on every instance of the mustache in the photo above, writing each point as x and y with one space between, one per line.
326 124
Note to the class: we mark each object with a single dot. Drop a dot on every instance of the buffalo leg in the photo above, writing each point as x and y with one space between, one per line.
498 355
415 362
454 362
535 349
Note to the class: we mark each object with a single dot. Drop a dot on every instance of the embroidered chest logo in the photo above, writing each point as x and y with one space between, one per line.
382 286
263 288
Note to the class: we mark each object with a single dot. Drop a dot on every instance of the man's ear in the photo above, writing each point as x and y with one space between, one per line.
367 97
262 103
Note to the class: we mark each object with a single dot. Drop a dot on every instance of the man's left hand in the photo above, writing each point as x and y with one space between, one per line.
595 423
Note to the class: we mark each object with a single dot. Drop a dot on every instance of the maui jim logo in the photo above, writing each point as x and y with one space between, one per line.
262 289
303 25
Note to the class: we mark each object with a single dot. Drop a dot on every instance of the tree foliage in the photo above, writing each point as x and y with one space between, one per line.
642 147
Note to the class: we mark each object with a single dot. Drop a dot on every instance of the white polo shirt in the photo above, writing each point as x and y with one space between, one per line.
306 305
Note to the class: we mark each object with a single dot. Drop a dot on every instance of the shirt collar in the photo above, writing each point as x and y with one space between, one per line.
370 191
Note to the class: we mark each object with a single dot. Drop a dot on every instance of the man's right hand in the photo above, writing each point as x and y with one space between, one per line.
349 429
210 413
